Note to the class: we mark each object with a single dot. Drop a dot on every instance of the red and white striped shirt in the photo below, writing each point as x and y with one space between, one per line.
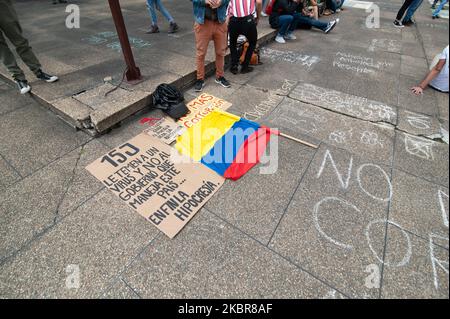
242 8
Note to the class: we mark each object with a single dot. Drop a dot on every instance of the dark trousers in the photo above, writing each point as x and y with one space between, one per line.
10 28
403 9
242 26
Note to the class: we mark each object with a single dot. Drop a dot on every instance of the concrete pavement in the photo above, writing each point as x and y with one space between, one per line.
364 216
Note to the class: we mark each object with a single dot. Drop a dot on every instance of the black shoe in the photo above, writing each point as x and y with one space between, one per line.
331 25
408 23
173 27
23 86
199 85
246 69
46 77
435 17
398 24
222 81
234 69
153 29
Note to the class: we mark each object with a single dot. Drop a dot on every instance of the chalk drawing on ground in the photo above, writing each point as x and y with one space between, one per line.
435 262
290 56
419 147
418 121
344 103
443 204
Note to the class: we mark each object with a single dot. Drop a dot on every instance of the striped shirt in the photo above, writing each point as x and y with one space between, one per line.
242 8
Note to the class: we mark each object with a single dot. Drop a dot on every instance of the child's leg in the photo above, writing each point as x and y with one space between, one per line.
152 11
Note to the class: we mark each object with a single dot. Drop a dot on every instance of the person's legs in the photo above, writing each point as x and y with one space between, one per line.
220 46
284 23
203 34
164 11
331 4
403 9
441 6
412 9
13 31
312 22
295 22
233 29
152 11
341 3
8 59
251 33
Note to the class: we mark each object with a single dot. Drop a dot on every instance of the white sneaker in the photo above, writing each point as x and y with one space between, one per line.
264 14
23 86
280 39
290 36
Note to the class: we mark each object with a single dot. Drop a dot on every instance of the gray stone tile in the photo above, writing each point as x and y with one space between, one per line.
325 228
425 103
210 259
422 157
100 238
29 207
418 124
32 137
419 206
120 290
8 175
375 141
414 67
442 101
415 268
259 200
254 104
12 100
347 104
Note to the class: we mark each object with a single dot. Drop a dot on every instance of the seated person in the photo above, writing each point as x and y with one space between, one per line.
284 19
306 19
438 76
333 6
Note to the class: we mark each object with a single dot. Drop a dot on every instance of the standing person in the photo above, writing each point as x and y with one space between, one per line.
438 76
264 6
438 10
210 25
284 19
398 21
154 5
243 19
407 20
11 29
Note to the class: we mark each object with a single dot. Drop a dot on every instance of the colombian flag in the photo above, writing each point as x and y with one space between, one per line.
226 143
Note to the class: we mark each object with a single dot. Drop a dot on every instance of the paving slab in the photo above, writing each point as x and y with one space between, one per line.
11 100
99 239
374 141
259 200
120 290
31 138
324 228
425 103
422 157
8 175
418 124
211 259
347 104
37 202
415 268
418 206
414 67
443 105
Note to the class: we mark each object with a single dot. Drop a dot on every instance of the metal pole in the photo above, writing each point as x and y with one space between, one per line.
133 73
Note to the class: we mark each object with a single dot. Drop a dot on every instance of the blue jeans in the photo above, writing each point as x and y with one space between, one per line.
441 6
156 4
287 23
333 5
312 22
412 9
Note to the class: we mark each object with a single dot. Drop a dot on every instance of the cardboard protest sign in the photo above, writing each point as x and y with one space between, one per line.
202 106
167 192
164 129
